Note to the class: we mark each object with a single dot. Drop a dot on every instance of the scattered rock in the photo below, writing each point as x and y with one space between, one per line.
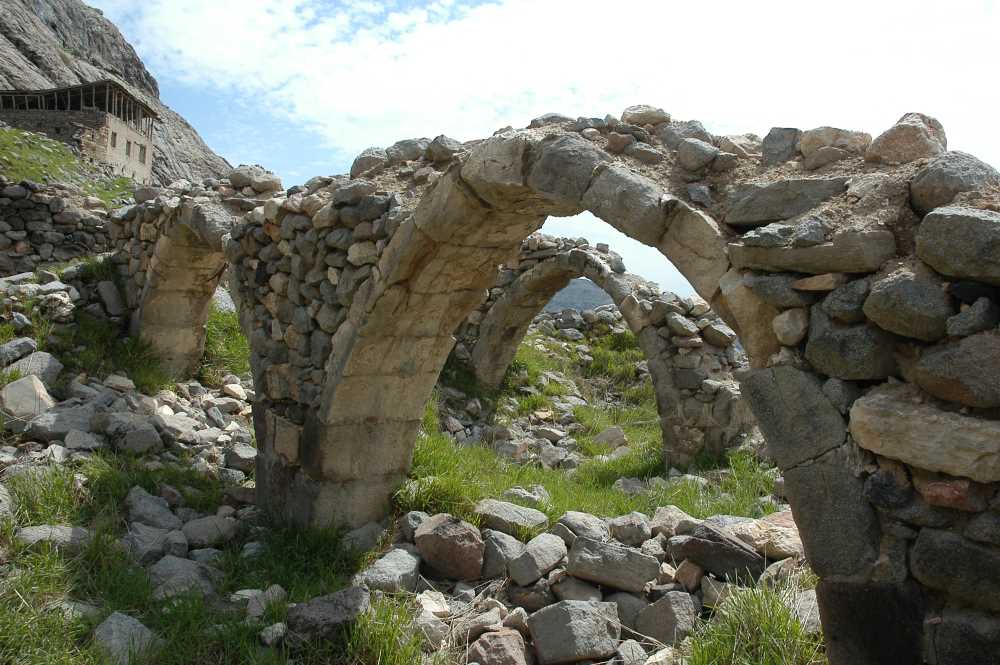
539 556
611 564
571 630
508 517
450 546
323 617
124 639
914 136
670 619
397 570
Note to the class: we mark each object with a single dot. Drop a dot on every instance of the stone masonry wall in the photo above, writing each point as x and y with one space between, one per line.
42 224
169 248
690 352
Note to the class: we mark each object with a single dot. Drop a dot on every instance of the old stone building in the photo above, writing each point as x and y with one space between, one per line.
103 120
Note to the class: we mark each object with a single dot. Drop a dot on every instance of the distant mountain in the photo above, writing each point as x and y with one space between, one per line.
579 294
55 43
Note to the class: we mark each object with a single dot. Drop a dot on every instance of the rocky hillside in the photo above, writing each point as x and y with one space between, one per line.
51 43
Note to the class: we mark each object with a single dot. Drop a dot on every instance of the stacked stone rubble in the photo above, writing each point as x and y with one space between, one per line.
47 224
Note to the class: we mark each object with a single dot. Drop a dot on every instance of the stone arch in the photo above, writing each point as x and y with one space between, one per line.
177 259
842 273
705 416
505 323
354 443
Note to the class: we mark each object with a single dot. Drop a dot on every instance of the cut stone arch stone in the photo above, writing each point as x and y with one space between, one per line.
179 268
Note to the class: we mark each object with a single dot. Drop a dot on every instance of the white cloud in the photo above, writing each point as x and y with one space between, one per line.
370 72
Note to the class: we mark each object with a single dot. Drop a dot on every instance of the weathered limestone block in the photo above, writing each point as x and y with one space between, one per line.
895 421
838 527
847 251
753 205
961 242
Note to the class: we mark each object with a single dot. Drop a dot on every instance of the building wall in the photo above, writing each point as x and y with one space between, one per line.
101 137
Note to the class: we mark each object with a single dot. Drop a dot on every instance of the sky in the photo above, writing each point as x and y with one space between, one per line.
302 86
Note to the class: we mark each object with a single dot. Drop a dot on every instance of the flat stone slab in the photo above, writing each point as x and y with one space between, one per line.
897 422
611 564
509 518
57 535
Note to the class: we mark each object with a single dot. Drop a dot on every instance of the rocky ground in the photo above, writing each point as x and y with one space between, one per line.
130 532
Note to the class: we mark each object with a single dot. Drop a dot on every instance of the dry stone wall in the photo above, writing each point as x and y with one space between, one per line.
690 353
45 224
860 275
170 249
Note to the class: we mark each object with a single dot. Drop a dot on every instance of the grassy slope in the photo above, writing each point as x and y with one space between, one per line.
35 157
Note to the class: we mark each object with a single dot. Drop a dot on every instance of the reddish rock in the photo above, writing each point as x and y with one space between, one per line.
951 492
504 647
451 547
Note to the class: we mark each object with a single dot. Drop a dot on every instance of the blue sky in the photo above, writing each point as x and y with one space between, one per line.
301 86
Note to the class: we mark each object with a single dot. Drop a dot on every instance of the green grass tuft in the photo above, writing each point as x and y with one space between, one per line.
227 350
95 347
754 626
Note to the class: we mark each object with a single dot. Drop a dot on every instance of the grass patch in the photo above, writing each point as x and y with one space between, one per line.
452 479
35 157
383 636
754 626
615 357
108 190
227 350
307 562
96 347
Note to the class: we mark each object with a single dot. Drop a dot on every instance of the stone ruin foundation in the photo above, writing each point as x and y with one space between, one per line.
861 277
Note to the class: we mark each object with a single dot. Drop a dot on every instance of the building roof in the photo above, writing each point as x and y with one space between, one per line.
147 110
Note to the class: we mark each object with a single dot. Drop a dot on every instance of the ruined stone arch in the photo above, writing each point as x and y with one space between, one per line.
841 263
176 261
355 442
505 323
699 412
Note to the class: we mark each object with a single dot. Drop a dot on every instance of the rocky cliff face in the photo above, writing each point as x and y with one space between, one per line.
51 43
